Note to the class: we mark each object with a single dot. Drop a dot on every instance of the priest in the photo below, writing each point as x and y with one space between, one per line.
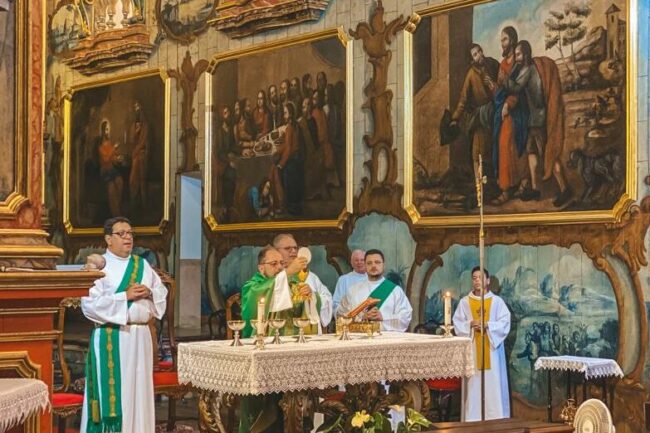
271 282
311 298
467 323
119 368
358 274
393 310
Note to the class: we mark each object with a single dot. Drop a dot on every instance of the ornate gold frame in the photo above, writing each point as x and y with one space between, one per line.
543 218
349 172
20 195
141 230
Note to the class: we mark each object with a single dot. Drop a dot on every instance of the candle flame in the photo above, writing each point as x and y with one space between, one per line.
447 294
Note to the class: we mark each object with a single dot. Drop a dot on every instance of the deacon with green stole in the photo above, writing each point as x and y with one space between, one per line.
393 310
271 282
119 394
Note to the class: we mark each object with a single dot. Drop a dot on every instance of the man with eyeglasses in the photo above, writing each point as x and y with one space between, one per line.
119 369
312 289
271 282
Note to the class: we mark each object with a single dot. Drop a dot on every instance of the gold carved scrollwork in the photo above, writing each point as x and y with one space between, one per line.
216 412
380 192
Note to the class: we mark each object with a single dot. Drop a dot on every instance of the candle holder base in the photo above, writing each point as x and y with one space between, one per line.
447 331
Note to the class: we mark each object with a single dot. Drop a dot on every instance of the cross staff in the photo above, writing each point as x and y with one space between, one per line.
480 180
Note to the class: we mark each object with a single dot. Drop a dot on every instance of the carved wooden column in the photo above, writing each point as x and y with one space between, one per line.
187 77
380 194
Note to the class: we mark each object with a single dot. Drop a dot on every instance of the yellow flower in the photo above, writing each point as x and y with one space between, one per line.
360 418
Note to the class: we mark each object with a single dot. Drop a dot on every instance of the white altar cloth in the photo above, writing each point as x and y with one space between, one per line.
322 362
20 398
590 367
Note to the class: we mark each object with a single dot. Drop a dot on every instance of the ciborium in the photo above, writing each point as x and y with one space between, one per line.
277 324
301 324
236 326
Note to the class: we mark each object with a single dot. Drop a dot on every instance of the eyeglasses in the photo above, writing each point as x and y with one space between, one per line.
274 263
289 248
124 234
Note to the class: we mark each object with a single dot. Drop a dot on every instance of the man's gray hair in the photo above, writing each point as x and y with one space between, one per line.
278 238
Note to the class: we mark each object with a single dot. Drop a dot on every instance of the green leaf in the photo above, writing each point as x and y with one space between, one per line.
335 426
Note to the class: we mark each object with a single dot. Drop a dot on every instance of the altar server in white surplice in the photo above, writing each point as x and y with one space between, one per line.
393 310
119 368
467 323
358 274
286 244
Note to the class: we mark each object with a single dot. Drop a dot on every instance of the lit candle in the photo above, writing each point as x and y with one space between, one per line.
260 309
447 309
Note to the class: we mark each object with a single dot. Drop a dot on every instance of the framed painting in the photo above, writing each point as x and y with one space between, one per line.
116 153
542 93
14 112
183 21
280 144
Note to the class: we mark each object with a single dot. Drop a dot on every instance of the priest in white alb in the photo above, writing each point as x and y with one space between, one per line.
467 323
311 295
345 281
119 395
393 309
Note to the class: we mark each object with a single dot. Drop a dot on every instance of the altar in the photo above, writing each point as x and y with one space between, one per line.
308 372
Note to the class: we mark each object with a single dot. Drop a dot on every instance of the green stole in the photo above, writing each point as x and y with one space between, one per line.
104 393
382 292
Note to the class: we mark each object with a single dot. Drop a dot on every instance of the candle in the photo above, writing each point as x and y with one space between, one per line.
447 309
260 309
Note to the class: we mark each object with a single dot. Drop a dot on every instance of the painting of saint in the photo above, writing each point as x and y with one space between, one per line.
8 107
117 159
279 148
538 90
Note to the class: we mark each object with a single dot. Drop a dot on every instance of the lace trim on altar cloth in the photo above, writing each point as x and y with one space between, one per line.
590 367
20 398
322 362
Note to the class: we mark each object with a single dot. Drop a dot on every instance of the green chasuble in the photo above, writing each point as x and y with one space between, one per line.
257 287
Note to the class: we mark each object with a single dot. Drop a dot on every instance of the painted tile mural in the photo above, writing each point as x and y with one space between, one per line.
392 237
560 305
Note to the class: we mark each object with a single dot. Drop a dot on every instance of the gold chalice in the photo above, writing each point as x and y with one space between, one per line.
236 325
277 324
345 323
301 324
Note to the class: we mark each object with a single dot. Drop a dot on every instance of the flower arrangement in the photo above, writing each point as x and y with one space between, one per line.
363 422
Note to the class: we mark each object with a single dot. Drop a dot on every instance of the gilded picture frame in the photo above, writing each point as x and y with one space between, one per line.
333 49
14 73
128 175
598 109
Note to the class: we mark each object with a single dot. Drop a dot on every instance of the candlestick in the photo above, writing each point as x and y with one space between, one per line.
261 309
447 308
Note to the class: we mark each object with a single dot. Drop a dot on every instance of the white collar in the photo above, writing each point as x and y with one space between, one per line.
110 255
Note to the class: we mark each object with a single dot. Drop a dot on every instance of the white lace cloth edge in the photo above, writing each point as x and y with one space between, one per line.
590 367
20 398
322 362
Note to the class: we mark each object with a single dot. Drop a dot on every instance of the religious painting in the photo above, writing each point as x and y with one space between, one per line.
116 157
183 20
14 112
67 25
538 93
280 152
560 304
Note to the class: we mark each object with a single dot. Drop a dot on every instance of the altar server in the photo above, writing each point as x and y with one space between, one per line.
119 369
393 310
467 323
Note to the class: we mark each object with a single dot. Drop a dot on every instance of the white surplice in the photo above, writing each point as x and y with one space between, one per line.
325 312
497 400
102 306
396 311
343 285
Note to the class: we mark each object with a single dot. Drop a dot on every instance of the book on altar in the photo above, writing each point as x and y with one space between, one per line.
364 306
